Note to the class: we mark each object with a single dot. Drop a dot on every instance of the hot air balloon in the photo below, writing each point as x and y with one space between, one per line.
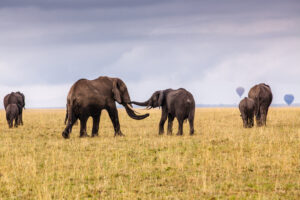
240 91
289 98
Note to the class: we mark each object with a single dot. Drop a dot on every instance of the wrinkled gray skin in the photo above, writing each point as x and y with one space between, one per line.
262 96
247 110
89 97
17 98
175 103
12 114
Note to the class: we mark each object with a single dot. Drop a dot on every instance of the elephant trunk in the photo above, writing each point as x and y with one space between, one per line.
133 114
146 103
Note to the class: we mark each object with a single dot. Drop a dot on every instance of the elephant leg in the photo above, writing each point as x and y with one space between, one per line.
96 121
263 116
16 122
113 114
245 122
83 121
244 119
10 123
21 118
163 119
258 118
170 124
266 114
248 122
251 121
191 122
68 129
180 126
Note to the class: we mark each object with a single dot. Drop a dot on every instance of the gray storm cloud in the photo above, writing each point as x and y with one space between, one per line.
206 46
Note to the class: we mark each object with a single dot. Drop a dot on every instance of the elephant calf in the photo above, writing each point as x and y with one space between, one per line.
247 109
12 113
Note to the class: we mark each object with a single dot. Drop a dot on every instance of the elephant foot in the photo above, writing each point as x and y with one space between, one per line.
84 135
259 124
179 134
65 135
191 132
169 133
119 134
95 135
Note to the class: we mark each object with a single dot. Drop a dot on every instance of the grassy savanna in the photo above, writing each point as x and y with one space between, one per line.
221 161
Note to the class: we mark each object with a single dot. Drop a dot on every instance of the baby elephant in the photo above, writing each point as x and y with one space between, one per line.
12 113
247 109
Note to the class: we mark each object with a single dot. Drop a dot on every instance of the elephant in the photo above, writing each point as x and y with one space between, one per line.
247 109
262 96
12 113
89 97
17 98
175 103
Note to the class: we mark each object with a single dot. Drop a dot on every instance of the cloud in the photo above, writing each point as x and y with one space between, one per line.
40 96
209 48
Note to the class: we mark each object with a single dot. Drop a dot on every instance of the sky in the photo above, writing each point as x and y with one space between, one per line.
208 47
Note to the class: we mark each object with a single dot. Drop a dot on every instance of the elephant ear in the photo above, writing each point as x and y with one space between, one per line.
161 98
116 91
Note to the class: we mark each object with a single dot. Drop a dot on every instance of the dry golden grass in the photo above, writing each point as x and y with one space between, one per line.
221 161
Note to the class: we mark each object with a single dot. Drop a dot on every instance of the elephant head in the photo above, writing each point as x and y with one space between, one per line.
121 95
156 100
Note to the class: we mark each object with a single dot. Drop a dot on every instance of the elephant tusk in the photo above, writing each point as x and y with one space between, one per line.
131 108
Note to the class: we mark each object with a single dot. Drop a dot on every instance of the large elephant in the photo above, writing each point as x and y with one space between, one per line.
17 98
247 109
89 97
175 103
262 96
12 114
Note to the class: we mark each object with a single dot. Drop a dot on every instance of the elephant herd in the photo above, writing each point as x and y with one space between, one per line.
87 98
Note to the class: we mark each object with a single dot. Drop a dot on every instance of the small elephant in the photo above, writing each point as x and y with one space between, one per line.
247 109
12 113
175 103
